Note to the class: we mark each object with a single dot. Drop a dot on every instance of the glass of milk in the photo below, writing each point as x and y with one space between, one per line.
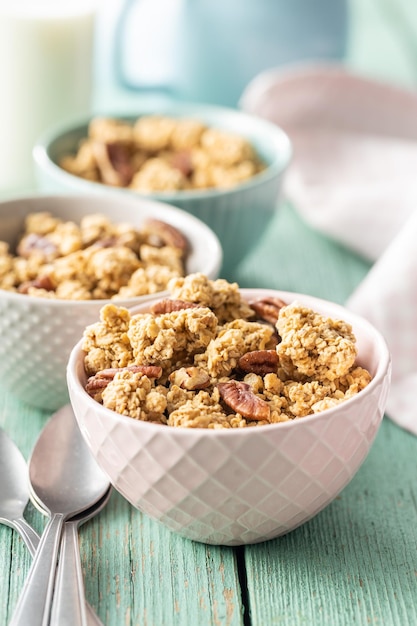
46 77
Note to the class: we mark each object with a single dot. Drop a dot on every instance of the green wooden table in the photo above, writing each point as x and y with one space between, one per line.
353 564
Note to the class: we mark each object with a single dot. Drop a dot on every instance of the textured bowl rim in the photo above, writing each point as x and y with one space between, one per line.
383 370
43 160
215 260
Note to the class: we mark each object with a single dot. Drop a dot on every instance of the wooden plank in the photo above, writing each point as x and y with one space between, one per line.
356 562
137 572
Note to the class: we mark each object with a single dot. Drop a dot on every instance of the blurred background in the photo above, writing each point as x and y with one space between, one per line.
208 50
63 60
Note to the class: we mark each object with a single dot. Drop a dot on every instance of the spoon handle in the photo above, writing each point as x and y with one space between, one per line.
28 534
32 539
34 603
68 605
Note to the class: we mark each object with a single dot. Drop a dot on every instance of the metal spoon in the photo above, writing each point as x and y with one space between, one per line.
66 480
69 585
14 491
14 497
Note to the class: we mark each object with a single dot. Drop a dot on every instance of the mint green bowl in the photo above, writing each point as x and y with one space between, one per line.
239 216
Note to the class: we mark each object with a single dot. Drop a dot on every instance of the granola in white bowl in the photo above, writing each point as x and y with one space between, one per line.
207 358
212 474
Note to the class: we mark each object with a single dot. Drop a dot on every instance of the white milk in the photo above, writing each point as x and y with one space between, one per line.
46 61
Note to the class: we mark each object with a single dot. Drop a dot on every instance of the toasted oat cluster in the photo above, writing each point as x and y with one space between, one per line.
96 259
205 358
157 154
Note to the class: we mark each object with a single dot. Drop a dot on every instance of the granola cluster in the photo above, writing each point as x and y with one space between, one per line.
206 358
157 154
96 259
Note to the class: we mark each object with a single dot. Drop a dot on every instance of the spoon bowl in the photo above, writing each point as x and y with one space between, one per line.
14 483
64 476
14 491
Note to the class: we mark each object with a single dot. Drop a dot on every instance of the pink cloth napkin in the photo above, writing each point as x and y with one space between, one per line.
353 177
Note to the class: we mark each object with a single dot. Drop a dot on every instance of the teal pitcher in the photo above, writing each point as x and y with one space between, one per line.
209 50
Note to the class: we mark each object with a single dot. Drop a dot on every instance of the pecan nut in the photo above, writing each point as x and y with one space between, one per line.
168 306
259 362
37 243
101 379
183 162
42 282
268 308
113 163
161 233
240 397
190 378
106 242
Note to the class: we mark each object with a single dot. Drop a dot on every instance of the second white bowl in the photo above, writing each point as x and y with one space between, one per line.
37 334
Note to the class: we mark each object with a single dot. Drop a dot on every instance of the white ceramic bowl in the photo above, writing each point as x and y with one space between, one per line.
37 334
238 216
239 486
